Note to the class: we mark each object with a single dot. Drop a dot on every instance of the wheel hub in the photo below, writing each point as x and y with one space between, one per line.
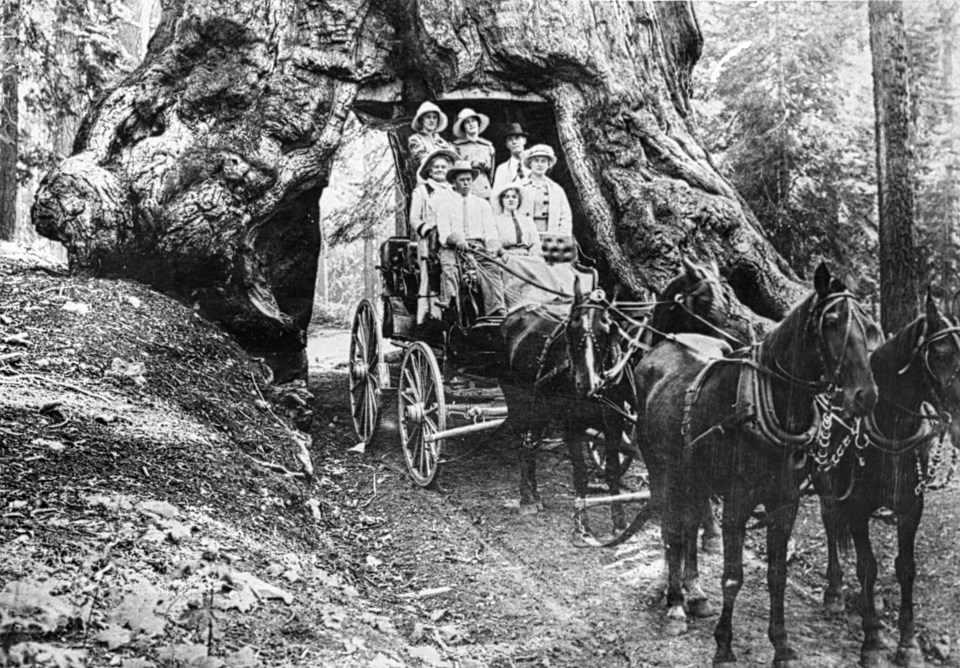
358 370
414 412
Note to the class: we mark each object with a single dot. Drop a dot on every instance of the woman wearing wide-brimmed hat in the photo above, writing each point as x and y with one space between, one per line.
549 205
473 148
518 235
427 125
432 187
527 278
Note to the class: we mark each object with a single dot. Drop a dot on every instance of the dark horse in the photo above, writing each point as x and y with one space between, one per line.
892 458
560 354
739 427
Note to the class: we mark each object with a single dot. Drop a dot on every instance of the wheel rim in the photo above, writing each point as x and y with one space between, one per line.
422 410
364 372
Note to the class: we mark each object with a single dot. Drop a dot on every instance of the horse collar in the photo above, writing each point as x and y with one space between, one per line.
755 398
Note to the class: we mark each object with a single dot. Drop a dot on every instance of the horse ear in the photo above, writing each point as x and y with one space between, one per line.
693 270
577 291
933 313
821 280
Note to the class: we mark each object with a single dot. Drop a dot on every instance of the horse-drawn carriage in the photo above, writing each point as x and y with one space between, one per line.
446 381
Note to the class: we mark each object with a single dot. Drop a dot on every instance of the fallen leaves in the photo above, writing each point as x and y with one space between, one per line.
28 606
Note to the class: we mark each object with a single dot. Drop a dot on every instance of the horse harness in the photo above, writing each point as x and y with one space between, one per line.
754 409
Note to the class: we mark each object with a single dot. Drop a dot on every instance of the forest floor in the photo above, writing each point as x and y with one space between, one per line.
153 511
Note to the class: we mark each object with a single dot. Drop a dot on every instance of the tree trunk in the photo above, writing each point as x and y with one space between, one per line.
201 172
9 113
899 300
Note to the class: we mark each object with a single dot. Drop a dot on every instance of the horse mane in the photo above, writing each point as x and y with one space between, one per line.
664 318
783 338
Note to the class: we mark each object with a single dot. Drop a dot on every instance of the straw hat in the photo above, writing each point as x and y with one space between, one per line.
466 113
539 151
424 170
426 108
498 193
459 167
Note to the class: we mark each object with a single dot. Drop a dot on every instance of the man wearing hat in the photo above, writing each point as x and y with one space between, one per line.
512 169
473 148
465 223
427 125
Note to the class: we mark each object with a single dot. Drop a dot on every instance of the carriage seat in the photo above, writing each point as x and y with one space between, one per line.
398 265
558 248
563 250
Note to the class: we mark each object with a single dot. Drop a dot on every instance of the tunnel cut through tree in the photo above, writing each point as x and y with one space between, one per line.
201 172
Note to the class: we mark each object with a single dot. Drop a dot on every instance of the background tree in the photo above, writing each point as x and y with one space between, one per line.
70 52
9 103
895 164
783 94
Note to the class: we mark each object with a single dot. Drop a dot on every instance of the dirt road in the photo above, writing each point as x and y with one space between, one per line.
521 595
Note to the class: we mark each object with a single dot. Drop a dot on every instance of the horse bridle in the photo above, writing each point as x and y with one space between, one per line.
923 349
854 313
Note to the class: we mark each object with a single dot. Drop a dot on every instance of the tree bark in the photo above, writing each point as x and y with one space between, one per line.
202 170
899 299
9 113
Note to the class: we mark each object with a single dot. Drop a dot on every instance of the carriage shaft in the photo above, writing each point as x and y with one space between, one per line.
590 501
460 431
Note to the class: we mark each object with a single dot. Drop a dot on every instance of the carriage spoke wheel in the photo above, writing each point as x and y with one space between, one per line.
366 361
598 455
422 411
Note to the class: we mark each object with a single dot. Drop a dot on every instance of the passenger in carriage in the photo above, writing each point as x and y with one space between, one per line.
527 278
465 223
549 205
512 169
427 125
473 148
432 187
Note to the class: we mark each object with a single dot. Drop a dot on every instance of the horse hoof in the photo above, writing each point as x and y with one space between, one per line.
583 539
870 658
675 627
727 658
832 605
712 545
909 657
700 608
528 509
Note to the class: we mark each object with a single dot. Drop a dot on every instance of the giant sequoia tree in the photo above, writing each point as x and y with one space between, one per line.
201 172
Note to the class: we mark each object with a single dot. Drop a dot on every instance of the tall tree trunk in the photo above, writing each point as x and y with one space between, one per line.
201 172
9 125
899 300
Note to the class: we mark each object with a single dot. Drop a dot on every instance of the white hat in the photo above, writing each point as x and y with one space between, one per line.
426 108
495 196
466 113
459 167
539 151
424 170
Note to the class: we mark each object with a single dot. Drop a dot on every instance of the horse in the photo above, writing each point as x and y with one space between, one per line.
695 302
739 427
561 354
889 460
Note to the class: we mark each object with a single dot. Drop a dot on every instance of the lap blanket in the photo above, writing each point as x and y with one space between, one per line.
519 292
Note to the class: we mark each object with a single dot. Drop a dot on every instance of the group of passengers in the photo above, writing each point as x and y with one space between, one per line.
495 213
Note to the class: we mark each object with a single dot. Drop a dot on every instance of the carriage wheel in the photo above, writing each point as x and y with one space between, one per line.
422 411
366 362
598 455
